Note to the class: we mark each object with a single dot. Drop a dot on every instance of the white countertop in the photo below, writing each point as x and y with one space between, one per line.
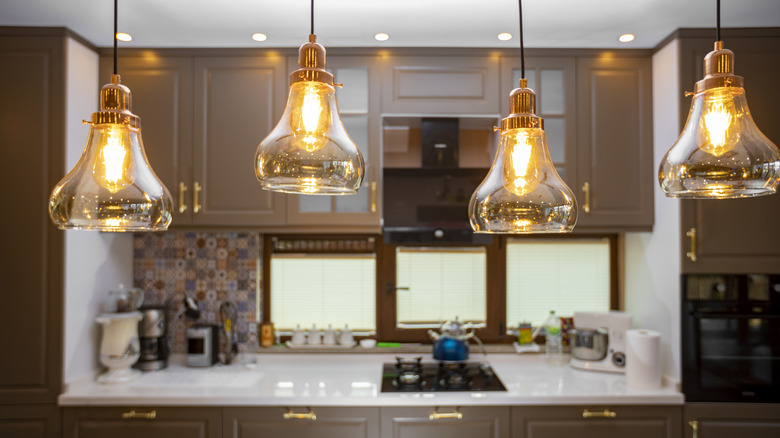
355 380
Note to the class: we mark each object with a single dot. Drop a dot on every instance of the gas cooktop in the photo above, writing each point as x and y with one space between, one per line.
414 375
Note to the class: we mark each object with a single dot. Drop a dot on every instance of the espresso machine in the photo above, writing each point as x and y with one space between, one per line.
154 345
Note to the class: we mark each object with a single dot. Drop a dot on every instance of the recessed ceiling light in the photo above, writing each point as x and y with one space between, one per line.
626 38
121 36
381 37
504 36
259 37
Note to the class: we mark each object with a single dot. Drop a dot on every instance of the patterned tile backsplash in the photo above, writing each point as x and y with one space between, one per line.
209 267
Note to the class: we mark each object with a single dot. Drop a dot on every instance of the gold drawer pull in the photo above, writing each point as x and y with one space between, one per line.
586 191
373 197
695 426
196 188
435 415
133 415
692 253
182 203
606 413
290 415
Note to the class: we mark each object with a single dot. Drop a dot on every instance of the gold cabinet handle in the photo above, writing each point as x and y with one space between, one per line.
182 203
133 415
373 197
692 253
695 426
196 188
586 192
435 415
606 413
290 415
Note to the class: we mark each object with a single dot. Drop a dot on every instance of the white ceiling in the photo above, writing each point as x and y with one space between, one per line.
410 23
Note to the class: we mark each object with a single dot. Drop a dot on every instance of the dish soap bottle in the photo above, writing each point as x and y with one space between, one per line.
553 347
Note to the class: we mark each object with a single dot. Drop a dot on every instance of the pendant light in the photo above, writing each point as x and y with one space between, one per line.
112 187
721 153
522 193
309 151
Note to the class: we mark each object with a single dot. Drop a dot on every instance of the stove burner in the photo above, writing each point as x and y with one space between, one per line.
409 374
412 375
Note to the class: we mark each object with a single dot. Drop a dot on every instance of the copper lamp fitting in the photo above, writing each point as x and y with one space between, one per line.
116 105
311 64
522 108
719 70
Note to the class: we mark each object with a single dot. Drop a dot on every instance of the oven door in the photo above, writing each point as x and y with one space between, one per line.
731 352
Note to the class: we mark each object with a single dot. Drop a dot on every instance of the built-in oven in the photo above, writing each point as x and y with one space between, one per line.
731 338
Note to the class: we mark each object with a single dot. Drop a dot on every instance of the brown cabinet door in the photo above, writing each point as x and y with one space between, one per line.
134 422
615 144
736 235
596 422
41 421
238 101
33 142
161 87
729 420
274 422
425 422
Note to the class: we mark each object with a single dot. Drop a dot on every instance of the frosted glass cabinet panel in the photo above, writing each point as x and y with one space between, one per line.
358 102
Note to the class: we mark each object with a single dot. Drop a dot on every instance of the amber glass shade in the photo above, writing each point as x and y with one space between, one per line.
720 153
522 193
112 187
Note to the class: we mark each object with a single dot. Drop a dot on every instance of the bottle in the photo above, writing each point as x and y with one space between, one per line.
553 347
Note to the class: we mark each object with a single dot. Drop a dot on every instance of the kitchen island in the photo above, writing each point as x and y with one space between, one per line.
355 380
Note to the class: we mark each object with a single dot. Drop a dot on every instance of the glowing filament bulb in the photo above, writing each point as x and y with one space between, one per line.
718 118
311 116
521 171
112 166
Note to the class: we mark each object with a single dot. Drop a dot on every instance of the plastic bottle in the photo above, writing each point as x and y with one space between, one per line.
553 347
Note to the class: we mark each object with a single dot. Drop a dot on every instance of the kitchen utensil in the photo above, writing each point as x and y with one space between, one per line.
120 347
124 300
228 313
368 343
452 343
154 345
587 350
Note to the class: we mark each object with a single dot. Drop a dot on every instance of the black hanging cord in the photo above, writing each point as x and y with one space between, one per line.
717 21
115 31
312 18
522 48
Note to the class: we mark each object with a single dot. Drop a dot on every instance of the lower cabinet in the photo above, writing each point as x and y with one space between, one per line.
597 422
279 422
30 421
729 420
450 422
142 422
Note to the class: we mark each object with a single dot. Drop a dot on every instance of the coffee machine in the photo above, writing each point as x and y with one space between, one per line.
154 346
598 341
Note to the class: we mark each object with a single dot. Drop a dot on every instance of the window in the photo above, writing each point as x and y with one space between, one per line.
561 275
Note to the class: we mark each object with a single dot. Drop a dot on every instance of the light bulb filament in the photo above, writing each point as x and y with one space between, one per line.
113 158
520 159
717 122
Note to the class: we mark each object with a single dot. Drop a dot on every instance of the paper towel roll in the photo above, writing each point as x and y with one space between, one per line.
643 360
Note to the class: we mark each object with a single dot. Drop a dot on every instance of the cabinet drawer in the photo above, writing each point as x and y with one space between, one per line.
301 422
445 421
145 422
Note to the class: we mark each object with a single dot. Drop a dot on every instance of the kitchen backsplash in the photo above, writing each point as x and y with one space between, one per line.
210 267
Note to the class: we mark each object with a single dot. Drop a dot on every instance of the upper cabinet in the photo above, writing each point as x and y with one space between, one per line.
440 85
614 176
738 236
359 106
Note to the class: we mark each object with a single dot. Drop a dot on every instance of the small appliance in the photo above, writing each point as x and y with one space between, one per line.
414 375
598 341
154 346
119 348
202 345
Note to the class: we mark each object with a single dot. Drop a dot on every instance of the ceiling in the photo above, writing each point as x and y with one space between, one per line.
410 23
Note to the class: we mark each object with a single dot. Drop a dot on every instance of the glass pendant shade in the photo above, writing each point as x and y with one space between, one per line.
309 151
112 187
522 193
720 153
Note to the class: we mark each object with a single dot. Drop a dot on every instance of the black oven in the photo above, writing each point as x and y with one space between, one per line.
731 338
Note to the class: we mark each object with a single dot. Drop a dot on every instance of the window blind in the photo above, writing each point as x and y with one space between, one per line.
544 275
323 289
443 283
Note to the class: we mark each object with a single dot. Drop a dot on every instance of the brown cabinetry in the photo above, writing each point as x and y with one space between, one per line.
596 421
728 420
344 422
449 421
615 174
32 421
737 235
146 422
